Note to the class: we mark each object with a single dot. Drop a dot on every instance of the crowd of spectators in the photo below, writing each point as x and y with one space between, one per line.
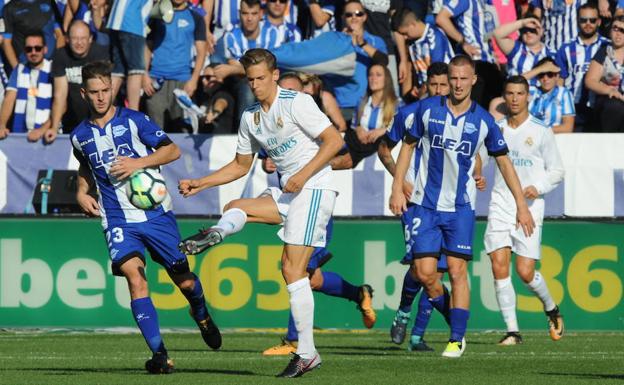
177 60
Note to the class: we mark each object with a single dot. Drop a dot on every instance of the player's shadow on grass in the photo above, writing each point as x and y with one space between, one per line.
361 348
221 351
132 371
591 376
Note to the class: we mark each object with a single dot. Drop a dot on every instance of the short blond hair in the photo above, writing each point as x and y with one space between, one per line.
256 56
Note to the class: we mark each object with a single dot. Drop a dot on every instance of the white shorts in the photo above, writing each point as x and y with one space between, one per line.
499 234
305 215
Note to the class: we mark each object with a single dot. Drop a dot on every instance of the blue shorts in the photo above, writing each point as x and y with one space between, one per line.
321 255
407 221
159 235
433 232
127 52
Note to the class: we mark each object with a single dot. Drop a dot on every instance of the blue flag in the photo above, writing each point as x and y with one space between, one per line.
329 53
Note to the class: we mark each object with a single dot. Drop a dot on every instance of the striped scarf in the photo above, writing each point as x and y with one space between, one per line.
42 89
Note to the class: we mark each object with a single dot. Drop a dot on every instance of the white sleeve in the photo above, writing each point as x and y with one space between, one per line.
246 144
552 163
308 116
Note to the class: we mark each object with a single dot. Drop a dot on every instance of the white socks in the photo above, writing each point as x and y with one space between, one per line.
232 221
302 308
538 286
506 297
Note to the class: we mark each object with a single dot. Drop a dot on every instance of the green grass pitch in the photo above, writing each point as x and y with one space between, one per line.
82 358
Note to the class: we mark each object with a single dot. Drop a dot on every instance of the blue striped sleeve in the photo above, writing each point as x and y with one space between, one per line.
567 103
456 7
562 62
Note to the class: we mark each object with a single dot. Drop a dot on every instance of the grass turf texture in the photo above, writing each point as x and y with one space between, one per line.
348 358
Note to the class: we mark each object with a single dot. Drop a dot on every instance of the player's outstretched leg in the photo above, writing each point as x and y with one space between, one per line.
146 319
289 343
410 289
191 288
506 297
417 342
232 221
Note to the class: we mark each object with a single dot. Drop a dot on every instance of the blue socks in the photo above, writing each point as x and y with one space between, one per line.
425 308
411 287
442 304
291 334
459 321
147 320
336 286
196 299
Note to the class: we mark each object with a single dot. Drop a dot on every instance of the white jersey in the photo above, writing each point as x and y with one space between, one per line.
287 132
533 152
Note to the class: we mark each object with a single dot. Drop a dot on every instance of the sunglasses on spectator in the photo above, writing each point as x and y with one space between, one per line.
591 20
548 74
353 14
528 30
36 48
617 29
279 1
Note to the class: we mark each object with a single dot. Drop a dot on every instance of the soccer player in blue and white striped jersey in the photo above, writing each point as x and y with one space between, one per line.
450 131
522 54
428 45
559 18
574 57
110 146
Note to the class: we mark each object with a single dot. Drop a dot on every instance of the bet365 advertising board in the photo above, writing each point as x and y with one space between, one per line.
56 272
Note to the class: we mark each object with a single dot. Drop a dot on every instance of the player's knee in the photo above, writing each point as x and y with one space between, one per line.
428 279
136 284
458 276
525 273
186 284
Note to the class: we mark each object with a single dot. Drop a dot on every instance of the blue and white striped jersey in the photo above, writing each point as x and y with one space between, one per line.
371 117
130 16
129 133
226 13
551 107
329 7
521 59
468 16
559 21
236 44
276 35
404 118
573 58
450 145
433 46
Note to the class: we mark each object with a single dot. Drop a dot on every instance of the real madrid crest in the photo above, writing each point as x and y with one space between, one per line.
529 141
280 122
257 118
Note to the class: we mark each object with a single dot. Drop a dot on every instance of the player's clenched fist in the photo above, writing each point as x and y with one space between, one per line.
295 183
188 187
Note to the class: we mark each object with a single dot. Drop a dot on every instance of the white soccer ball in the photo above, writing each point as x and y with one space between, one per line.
146 189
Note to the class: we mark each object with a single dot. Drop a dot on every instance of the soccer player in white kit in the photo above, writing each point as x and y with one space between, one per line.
533 152
300 140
